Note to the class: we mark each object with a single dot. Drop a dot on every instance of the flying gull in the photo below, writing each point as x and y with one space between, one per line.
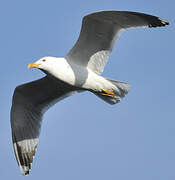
78 71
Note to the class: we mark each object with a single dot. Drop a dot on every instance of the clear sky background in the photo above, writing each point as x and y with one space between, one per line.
82 137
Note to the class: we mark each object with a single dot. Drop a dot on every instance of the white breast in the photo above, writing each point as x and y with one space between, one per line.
63 71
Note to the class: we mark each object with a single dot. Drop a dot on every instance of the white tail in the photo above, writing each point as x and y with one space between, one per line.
122 90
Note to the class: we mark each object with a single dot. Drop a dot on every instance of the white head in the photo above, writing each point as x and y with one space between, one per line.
44 63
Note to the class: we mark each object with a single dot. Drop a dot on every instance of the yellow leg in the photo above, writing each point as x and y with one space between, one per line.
108 92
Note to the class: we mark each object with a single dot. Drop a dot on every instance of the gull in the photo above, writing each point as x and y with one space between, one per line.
78 71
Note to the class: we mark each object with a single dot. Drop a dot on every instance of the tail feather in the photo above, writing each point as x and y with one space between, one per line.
121 90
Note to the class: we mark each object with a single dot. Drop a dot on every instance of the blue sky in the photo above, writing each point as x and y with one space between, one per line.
82 137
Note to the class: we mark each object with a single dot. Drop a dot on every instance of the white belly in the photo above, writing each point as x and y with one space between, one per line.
97 83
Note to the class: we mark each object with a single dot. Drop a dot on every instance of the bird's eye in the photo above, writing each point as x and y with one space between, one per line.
43 60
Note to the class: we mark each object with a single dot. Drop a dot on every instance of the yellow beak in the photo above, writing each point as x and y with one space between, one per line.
33 65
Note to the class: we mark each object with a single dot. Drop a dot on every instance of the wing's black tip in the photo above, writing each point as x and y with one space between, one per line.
26 173
24 170
158 22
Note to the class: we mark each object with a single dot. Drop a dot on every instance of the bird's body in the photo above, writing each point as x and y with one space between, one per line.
79 70
76 75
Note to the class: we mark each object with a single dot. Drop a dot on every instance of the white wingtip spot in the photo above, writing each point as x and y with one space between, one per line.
163 21
24 170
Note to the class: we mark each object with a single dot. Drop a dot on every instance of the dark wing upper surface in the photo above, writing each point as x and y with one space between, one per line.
29 103
99 32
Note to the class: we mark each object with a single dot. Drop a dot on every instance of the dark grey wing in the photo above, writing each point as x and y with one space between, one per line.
29 103
99 32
